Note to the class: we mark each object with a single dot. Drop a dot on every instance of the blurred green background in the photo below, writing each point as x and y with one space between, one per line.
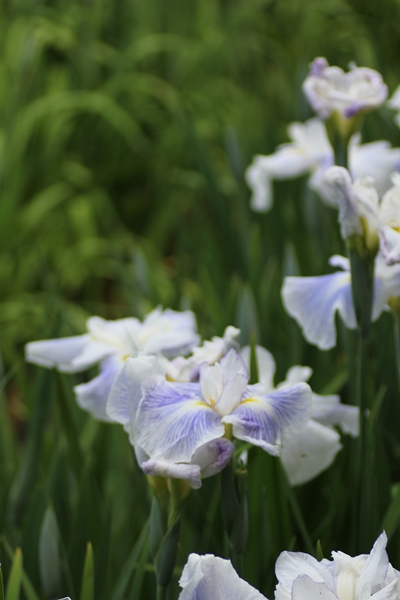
126 128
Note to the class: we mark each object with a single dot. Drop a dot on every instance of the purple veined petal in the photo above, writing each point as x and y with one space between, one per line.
309 452
267 421
313 301
93 396
266 365
306 588
126 393
173 421
158 467
57 353
209 577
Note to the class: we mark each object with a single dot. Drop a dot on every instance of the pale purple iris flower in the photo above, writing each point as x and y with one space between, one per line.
329 89
313 301
310 153
184 430
313 448
110 343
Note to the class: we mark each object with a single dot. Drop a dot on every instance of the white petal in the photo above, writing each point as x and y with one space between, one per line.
211 578
213 350
267 421
313 301
266 365
259 181
57 353
93 396
390 244
328 410
173 420
168 332
296 374
305 588
213 456
376 159
291 565
163 468
127 392
376 564
310 452
235 379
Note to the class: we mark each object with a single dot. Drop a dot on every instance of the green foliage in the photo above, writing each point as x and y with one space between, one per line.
125 130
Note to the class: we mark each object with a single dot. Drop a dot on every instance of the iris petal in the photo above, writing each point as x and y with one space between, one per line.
57 353
313 301
172 421
267 420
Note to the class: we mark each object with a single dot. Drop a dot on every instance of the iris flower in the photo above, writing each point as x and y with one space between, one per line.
330 89
313 448
109 343
186 428
363 577
313 301
310 153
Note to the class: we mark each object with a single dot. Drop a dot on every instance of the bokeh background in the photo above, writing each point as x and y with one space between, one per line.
126 128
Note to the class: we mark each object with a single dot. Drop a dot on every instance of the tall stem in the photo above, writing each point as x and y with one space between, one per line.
362 282
162 592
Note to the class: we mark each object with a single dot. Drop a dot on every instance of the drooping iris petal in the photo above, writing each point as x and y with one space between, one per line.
93 396
159 467
313 301
173 420
268 420
211 578
309 452
56 353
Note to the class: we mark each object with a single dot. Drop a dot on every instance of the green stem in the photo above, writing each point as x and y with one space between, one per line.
162 592
362 472
362 283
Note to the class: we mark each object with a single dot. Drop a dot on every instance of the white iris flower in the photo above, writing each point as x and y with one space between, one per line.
330 89
310 152
313 301
109 343
183 426
363 577
313 448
